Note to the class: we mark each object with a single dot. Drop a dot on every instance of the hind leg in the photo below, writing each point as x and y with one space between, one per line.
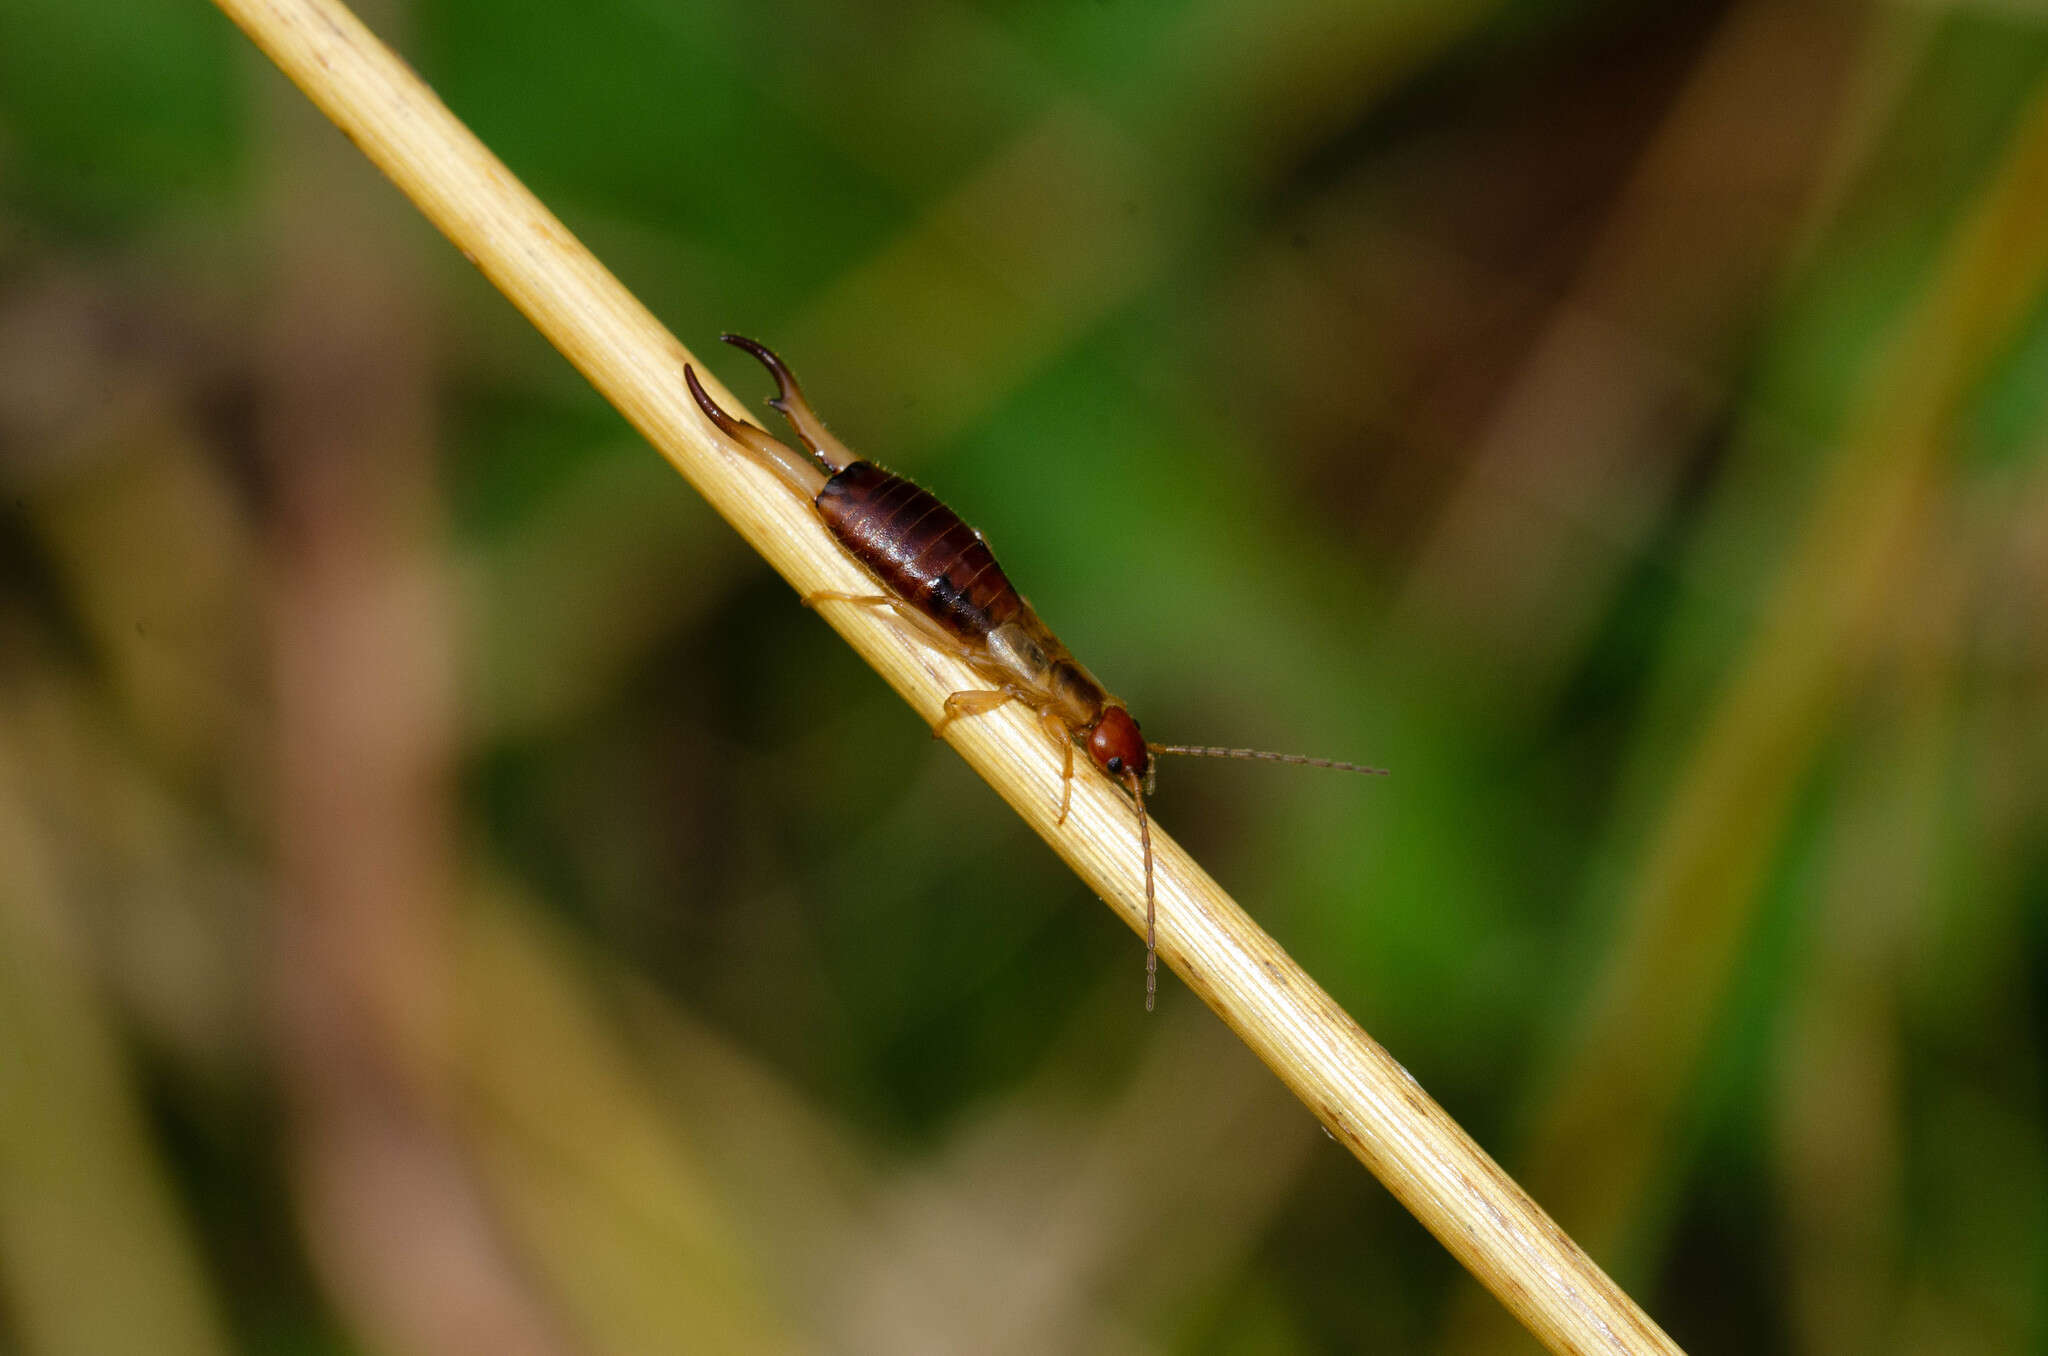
909 622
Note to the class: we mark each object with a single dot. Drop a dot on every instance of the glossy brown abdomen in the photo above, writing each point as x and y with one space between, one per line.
919 549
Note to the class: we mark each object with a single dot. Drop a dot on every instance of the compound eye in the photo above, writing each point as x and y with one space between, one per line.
1115 767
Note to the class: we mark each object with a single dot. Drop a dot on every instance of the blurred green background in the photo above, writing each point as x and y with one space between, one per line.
453 898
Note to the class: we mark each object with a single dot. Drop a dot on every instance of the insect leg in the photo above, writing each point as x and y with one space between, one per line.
1062 735
972 701
909 621
975 701
834 596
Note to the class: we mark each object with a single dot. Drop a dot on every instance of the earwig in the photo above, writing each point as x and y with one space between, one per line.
943 588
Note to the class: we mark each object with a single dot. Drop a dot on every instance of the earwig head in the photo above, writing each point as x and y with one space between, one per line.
1117 747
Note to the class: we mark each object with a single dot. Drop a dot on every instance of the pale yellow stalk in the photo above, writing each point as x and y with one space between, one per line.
1366 1099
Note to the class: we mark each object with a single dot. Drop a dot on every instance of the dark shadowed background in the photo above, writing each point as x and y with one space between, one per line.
453 898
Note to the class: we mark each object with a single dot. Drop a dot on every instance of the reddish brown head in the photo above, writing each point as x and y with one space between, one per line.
1117 747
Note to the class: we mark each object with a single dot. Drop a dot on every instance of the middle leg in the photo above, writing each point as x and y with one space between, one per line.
975 701
972 701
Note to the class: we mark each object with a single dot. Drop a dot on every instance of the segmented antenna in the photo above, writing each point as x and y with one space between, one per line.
1211 751
1151 929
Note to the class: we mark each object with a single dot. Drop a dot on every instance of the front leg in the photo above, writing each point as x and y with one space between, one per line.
1049 720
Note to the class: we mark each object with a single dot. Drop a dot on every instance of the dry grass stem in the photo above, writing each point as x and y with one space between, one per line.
1366 1099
